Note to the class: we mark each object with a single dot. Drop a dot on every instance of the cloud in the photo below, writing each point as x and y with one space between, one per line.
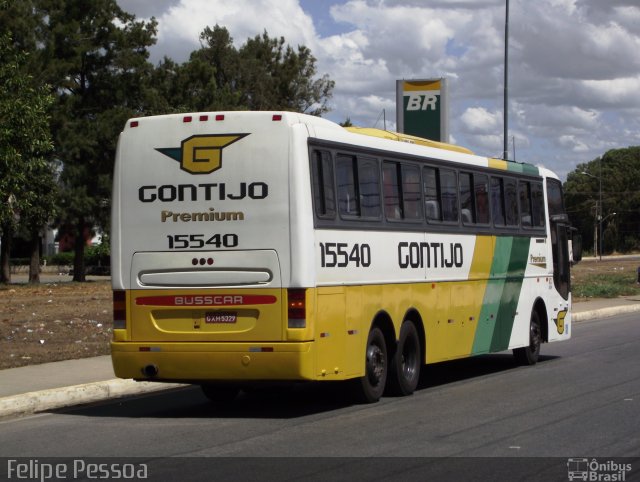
561 42
574 72
180 25
479 120
146 8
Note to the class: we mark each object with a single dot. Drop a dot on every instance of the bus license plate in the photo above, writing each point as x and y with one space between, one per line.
220 317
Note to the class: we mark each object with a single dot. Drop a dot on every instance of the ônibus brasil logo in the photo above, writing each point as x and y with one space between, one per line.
201 154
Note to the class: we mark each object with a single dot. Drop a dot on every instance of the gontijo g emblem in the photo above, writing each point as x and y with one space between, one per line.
201 154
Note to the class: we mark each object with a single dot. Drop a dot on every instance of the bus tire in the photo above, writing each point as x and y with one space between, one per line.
370 387
220 393
528 355
404 368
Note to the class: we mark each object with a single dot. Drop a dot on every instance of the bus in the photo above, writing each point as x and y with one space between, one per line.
252 247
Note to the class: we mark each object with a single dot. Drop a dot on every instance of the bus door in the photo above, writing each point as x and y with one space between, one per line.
560 231
560 247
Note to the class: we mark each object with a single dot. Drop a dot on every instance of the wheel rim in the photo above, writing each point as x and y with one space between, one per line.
375 364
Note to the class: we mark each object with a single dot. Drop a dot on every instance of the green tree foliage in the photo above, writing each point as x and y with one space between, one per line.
263 74
95 57
276 77
25 140
619 170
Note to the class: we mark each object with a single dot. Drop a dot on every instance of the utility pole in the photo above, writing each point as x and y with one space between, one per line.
601 212
505 152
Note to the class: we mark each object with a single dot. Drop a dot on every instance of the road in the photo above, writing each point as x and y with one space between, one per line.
581 400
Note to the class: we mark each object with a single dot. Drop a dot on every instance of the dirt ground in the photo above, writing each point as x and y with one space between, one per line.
54 321
62 320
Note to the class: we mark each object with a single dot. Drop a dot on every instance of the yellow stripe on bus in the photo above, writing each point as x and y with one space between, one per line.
498 164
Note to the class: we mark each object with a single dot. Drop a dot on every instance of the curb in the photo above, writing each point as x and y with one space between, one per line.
605 312
32 402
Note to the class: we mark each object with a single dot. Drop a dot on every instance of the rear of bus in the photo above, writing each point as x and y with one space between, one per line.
201 249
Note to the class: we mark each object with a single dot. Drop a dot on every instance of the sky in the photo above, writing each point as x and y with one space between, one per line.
574 65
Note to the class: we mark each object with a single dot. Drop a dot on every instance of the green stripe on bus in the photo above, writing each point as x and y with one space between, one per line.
523 168
501 295
510 294
492 296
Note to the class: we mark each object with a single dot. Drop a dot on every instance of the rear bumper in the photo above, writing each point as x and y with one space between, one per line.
195 362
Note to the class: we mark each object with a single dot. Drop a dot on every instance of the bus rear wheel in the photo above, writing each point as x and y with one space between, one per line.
529 355
404 371
370 387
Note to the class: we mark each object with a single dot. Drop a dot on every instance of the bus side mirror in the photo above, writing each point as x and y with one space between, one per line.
576 246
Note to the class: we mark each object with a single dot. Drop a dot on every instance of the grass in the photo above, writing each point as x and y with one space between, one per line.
605 279
606 286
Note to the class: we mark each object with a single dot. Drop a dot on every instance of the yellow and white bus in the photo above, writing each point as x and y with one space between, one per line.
275 246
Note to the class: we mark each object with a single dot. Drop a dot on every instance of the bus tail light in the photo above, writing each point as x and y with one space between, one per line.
297 311
119 309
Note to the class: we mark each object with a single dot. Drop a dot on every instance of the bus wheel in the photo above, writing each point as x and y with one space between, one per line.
528 355
219 393
369 388
404 370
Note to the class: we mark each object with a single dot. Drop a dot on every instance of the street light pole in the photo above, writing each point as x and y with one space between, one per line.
601 211
597 242
505 153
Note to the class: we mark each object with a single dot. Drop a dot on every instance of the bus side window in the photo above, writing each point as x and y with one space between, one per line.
449 193
497 201
411 198
392 210
481 188
467 208
348 201
323 190
431 198
511 202
440 194
524 191
554 197
537 205
369 187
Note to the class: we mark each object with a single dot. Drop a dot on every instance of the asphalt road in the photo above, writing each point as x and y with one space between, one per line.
581 400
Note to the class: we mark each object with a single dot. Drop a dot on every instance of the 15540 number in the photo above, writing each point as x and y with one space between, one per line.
196 241
342 255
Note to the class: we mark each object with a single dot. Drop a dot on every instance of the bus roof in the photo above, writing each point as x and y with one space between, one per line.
396 136
315 122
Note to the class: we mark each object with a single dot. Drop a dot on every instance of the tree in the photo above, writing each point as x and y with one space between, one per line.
619 172
42 199
95 57
275 77
264 74
25 140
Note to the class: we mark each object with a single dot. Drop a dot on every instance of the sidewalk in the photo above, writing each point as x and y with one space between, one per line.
49 386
